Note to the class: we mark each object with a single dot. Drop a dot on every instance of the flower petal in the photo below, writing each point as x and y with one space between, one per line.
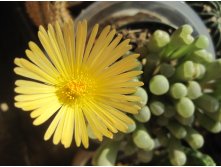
52 127
68 130
48 112
59 130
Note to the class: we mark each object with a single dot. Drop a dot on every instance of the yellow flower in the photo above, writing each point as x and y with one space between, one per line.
82 82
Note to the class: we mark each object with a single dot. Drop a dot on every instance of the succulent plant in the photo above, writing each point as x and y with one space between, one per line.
210 12
181 101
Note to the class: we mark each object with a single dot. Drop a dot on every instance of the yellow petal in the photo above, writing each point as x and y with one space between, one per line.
77 125
59 129
31 105
35 90
97 125
121 97
116 122
103 49
117 90
25 73
121 49
106 120
67 134
90 42
84 135
53 125
98 44
40 58
46 43
32 97
47 113
42 62
62 47
34 69
118 114
105 55
128 107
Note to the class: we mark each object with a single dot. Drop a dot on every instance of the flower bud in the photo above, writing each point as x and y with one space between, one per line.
144 115
194 139
185 107
158 40
200 70
159 85
194 90
131 128
178 90
142 139
157 108
177 155
185 71
141 92
106 154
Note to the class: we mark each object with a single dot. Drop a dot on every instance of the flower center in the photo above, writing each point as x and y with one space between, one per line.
73 90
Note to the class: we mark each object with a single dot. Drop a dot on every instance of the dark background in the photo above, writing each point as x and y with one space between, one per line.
21 143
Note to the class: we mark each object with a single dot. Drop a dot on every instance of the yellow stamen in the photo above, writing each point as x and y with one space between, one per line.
74 90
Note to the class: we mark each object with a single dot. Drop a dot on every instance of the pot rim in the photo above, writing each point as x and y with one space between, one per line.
181 9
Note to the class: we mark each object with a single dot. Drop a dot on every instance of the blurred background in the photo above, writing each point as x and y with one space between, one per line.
21 143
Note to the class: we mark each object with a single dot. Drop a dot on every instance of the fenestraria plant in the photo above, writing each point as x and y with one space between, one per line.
80 82
182 104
